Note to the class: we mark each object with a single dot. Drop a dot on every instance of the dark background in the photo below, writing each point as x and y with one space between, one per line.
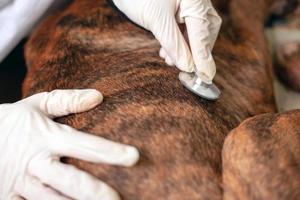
12 73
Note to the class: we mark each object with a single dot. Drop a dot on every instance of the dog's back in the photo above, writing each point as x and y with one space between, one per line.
179 135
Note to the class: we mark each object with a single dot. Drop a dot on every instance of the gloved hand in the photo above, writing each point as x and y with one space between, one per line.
31 145
161 18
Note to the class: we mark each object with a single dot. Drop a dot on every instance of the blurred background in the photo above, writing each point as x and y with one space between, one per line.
12 73
283 34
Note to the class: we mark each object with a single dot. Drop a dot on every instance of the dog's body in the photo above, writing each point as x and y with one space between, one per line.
180 136
261 158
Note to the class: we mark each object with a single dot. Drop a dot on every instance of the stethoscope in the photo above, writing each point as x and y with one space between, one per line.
197 85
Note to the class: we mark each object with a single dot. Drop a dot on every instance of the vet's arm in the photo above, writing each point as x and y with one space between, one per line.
162 18
4 2
17 17
31 145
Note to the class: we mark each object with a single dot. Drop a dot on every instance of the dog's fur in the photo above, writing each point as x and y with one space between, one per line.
179 135
261 158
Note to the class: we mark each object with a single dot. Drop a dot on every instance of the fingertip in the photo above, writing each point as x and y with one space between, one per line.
95 95
131 157
169 61
59 103
162 53
186 64
107 193
90 98
207 67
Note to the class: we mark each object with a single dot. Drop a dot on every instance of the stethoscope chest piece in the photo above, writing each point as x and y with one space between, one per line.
193 83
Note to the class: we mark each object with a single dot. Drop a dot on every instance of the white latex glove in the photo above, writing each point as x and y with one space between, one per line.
4 2
31 145
161 17
18 17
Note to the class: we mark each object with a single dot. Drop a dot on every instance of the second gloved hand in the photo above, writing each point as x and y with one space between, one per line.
161 17
31 145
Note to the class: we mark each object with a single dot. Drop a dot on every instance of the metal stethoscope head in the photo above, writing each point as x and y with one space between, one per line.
199 85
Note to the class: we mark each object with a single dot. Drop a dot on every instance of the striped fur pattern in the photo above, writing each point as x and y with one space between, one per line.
261 158
180 136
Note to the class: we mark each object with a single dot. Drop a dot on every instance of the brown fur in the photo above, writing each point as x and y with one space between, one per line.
180 136
261 158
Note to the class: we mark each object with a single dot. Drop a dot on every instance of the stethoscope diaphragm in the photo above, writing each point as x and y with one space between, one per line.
194 83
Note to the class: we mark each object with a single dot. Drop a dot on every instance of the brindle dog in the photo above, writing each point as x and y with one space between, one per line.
179 135
261 158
